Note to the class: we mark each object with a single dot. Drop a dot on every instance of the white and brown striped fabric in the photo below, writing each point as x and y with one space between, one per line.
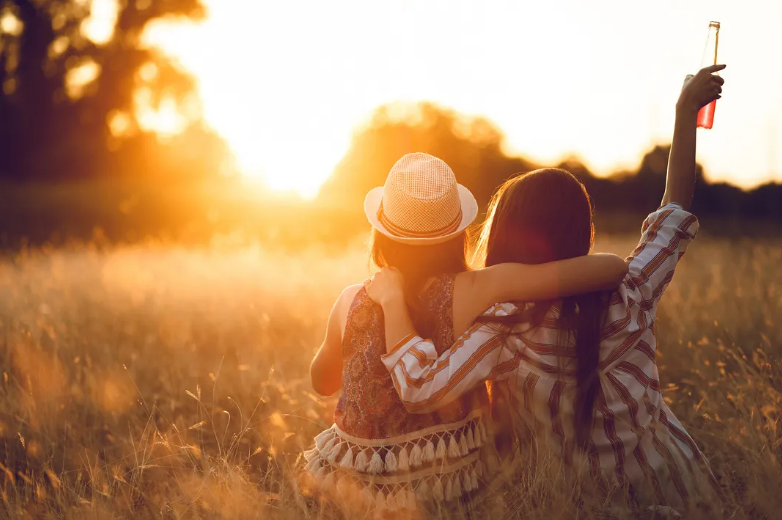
636 441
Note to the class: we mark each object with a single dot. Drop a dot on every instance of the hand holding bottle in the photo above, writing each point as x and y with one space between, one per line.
706 113
701 89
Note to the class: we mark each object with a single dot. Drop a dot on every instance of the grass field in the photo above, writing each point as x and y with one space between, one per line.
153 381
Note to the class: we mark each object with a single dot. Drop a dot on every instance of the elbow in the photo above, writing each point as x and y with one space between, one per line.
619 270
321 384
319 387
324 391
323 388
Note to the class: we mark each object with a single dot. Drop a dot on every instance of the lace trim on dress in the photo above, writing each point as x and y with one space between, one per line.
443 462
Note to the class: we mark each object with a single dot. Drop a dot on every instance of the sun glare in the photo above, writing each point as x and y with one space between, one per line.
286 84
79 77
9 23
99 26
287 123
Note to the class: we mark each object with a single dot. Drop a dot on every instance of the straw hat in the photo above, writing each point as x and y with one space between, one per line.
421 203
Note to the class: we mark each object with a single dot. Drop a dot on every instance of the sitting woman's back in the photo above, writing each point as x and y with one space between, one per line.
369 406
377 454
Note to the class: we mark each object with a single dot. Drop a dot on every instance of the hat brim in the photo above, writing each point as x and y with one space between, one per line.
469 212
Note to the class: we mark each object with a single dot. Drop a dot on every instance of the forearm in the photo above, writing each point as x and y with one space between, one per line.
426 380
398 324
680 182
519 282
590 273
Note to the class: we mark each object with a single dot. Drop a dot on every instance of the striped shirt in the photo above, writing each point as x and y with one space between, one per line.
636 441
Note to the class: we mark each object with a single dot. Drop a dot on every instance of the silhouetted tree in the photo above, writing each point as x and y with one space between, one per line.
470 146
50 131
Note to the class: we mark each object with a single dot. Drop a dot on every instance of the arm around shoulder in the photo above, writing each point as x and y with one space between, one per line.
520 282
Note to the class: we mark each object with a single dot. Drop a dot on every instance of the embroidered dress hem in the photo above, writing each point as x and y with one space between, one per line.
442 463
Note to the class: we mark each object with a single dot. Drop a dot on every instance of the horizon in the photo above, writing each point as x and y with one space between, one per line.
334 86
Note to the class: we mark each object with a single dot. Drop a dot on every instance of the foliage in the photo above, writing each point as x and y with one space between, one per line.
55 125
157 381
473 147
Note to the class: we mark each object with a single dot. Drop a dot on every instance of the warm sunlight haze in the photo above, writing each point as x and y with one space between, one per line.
210 311
286 83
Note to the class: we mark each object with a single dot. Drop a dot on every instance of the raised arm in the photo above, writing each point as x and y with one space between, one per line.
700 90
668 231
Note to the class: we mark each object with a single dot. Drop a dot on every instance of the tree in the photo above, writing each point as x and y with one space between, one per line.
62 90
470 145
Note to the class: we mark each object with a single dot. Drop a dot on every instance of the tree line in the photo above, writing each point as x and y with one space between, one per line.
473 148
55 126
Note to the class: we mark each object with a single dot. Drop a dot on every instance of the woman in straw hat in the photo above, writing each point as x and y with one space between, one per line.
581 372
377 455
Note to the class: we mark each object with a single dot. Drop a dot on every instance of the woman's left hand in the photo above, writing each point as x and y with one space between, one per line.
386 286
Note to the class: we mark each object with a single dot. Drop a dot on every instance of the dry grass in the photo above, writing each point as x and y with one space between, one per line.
158 382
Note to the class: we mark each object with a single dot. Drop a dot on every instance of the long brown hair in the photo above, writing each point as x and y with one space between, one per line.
419 263
544 216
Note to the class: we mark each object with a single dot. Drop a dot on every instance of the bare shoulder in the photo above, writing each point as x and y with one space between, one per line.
342 306
466 281
467 301
476 284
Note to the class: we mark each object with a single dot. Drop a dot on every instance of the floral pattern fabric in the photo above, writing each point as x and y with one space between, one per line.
369 406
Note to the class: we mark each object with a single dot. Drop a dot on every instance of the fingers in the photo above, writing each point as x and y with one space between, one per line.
705 87
713 68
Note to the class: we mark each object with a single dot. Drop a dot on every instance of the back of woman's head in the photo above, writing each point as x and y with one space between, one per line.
418 263
544 216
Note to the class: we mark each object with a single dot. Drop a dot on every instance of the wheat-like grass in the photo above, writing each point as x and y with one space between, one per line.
155 381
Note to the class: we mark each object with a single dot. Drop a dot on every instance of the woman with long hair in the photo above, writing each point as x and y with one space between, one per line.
377 455
580 371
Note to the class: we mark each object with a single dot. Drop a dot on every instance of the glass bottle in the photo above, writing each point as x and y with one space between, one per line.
706 113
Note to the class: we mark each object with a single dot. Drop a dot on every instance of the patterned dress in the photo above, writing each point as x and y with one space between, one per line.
377 455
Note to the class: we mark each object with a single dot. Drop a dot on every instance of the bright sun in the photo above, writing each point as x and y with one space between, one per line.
286 83
281 112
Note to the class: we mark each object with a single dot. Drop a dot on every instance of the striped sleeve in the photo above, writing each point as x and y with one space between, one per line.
426 381
666 233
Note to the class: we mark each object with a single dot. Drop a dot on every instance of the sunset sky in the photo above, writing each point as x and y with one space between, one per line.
286 83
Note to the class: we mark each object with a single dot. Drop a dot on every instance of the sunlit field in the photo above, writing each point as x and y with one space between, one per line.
153 381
